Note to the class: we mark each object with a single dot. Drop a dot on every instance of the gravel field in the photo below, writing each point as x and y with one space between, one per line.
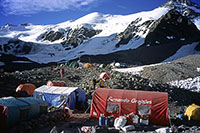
176 70
151 79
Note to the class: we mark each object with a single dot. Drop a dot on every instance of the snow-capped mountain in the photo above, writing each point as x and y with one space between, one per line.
158 33
185 7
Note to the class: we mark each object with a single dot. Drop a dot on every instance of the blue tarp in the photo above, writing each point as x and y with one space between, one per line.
56 96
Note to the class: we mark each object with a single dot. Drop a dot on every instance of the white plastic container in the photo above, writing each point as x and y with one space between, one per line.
120 122
144 121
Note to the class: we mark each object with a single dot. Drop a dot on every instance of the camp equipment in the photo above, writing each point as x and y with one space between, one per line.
102 120
128 128
144 119
120 122
133 118
110 121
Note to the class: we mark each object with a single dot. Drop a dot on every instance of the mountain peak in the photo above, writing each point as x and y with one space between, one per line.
185 7
187 2
174 3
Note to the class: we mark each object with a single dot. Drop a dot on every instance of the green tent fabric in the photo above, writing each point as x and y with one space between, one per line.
102 66
67 63
14 109
20 109
36 106
74 64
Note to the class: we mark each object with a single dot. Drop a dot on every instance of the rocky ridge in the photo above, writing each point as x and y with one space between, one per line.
15 46
71 38
133 30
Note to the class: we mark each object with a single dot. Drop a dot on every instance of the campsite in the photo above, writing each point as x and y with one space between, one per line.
153 105
100 66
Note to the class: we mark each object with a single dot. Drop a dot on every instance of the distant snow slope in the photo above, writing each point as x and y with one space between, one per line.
135 70
197 22
184 51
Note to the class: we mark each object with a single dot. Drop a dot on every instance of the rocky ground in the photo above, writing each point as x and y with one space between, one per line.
176 70
152 79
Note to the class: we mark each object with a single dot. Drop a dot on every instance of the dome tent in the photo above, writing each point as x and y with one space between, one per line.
102 66
193 112
104 75
29 88
74 64
88 65
56 83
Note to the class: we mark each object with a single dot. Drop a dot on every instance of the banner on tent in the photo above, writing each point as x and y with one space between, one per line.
126 100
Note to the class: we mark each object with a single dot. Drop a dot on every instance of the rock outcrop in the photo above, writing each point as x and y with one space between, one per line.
70 37
134 30
15 46
172 27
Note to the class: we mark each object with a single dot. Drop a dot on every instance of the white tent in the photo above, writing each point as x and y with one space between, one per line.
56 95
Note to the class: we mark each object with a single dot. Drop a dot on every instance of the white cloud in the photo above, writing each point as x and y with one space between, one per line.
122 7
27 7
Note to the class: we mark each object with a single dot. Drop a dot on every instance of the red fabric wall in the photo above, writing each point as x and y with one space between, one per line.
128 101
3 116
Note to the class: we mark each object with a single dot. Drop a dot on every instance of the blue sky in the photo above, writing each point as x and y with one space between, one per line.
57 11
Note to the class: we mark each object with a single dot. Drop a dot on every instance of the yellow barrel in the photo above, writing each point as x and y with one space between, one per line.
193 112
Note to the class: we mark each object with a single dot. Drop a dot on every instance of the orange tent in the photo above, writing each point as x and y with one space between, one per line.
56 83
29 88
88 65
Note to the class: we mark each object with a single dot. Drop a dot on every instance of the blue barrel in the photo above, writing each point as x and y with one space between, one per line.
102 120
110 121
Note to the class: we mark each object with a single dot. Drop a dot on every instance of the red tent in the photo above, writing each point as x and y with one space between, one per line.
104 75
118 102
56 83
3 115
